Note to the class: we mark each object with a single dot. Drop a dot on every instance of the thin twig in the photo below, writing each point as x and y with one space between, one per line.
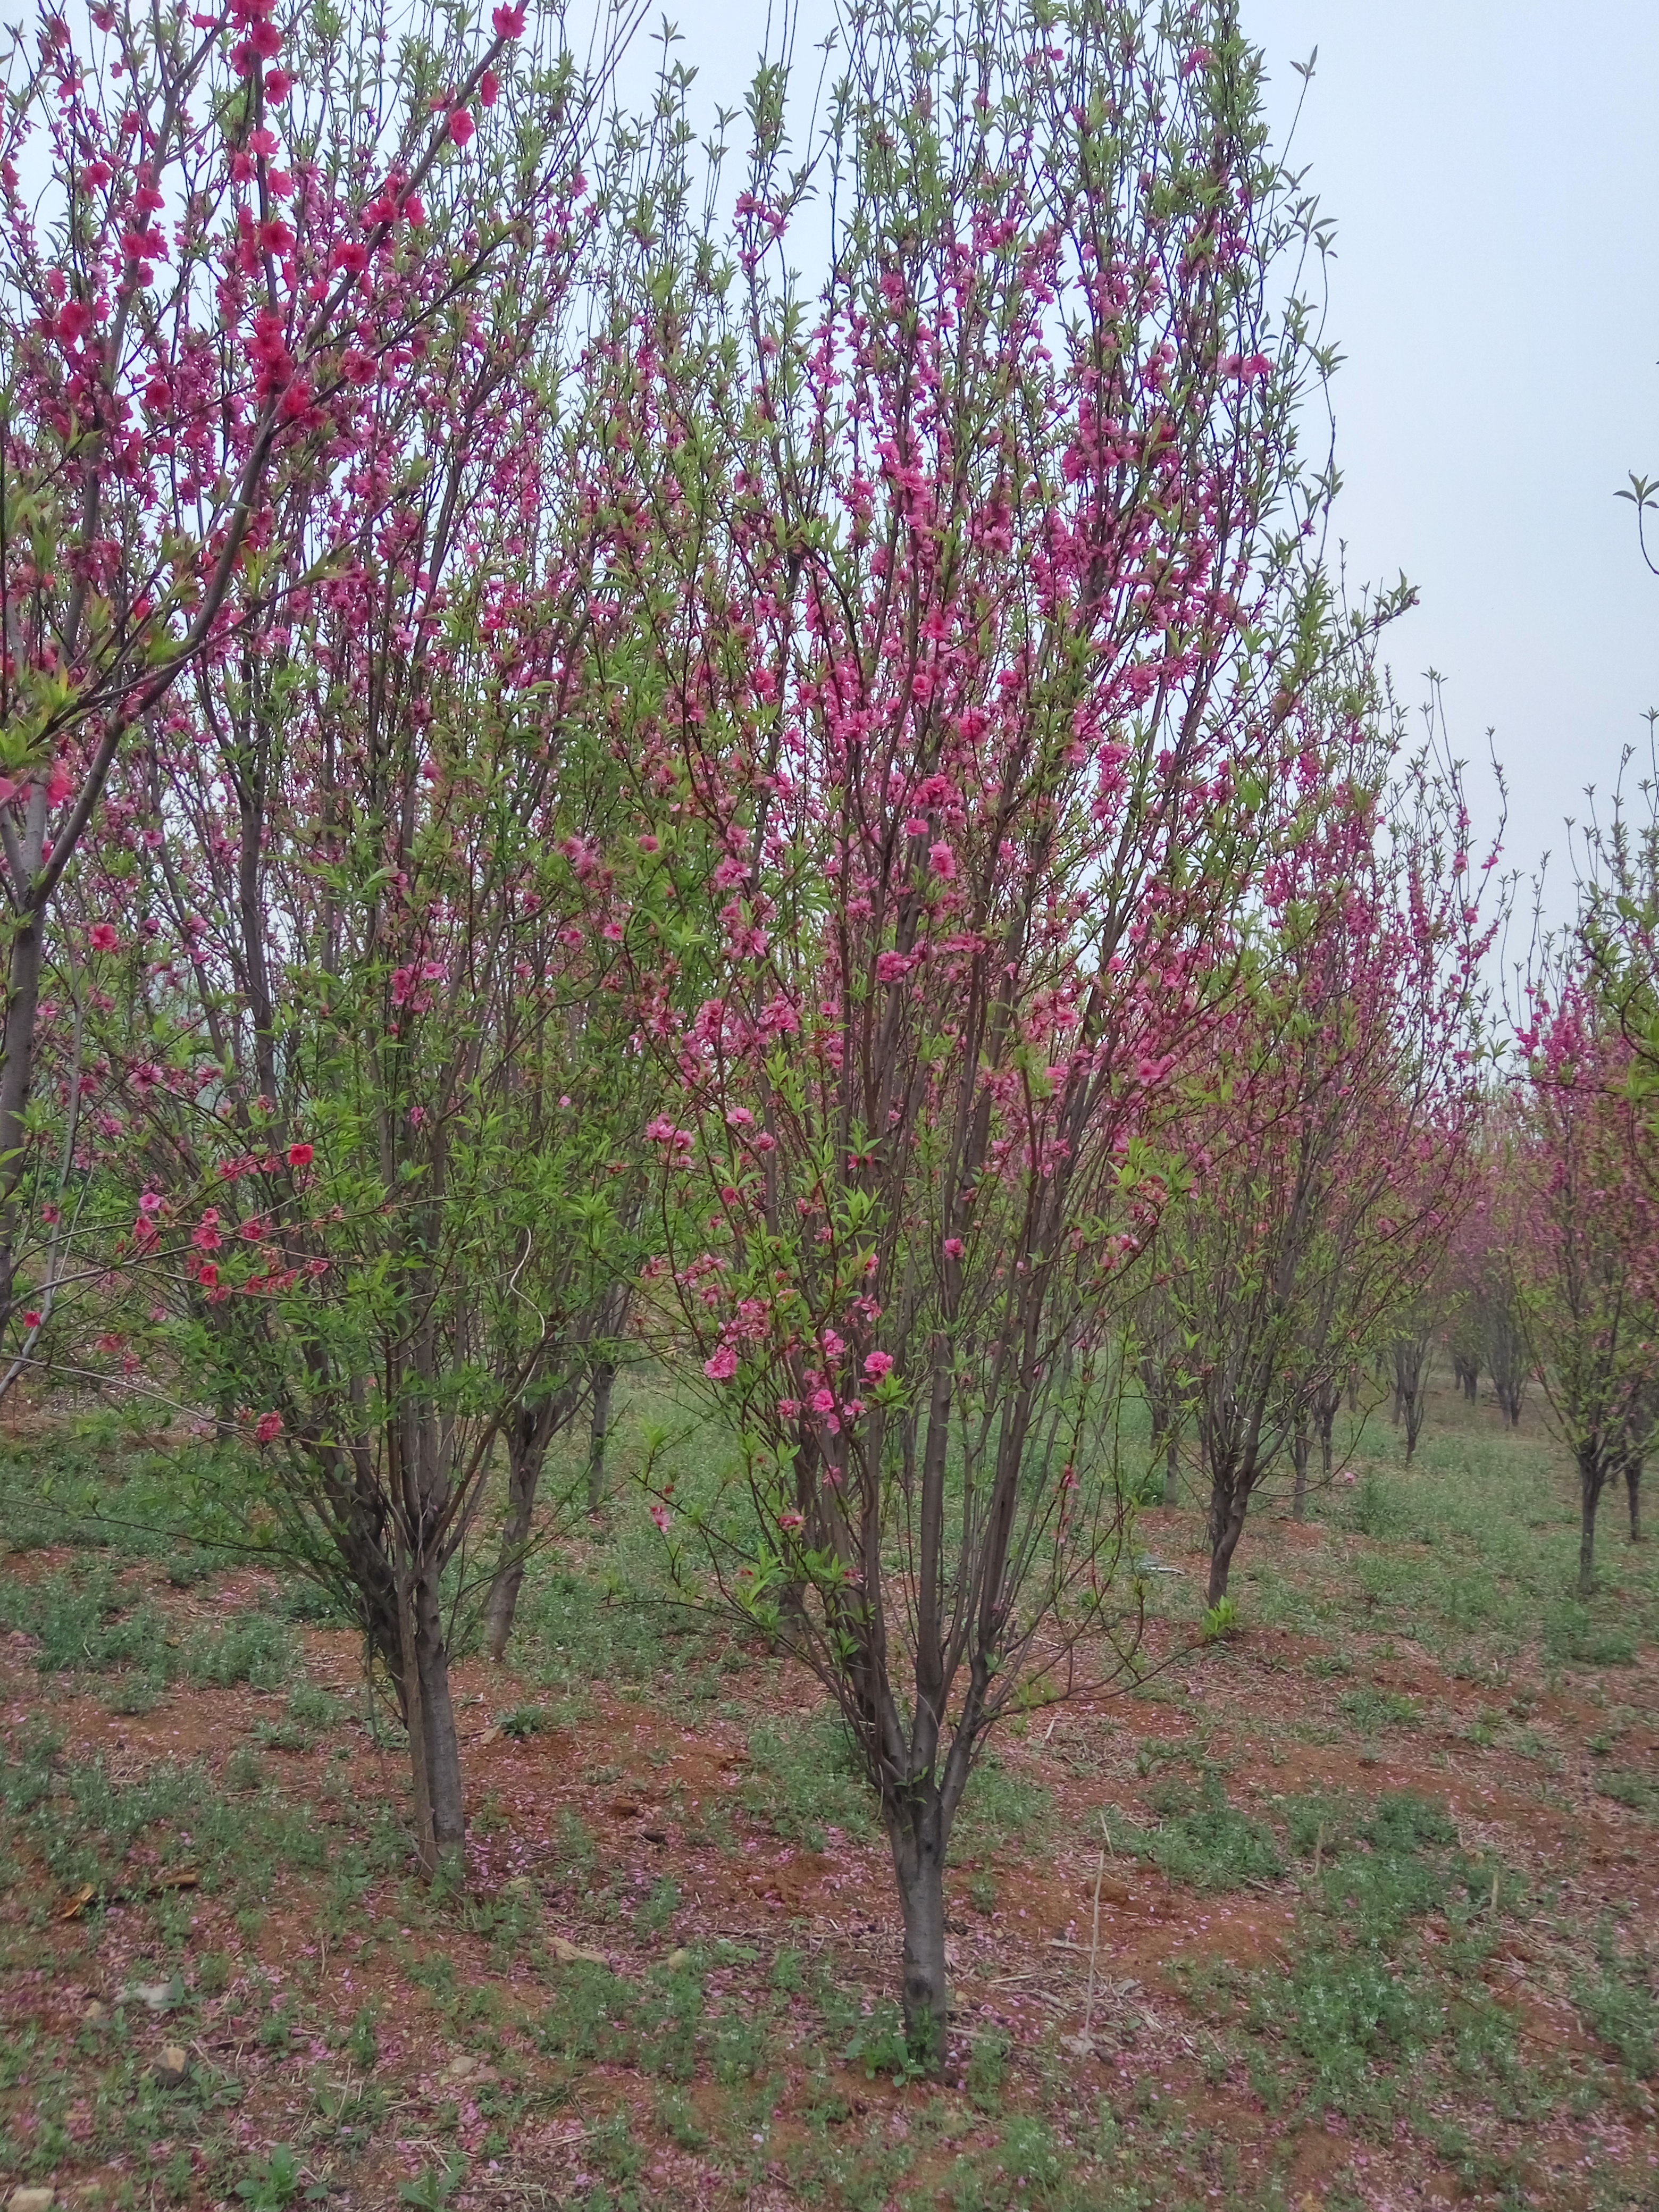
1094 1943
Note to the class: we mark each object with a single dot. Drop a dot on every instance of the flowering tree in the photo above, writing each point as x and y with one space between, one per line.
212 251
1412 1354
1161 1368
978 675
363 1061
1486 1329
1584 1263
1334 1116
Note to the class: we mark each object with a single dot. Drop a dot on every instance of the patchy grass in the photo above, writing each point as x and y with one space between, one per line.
1376 1874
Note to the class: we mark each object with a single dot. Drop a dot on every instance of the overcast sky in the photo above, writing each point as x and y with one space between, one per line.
1490 167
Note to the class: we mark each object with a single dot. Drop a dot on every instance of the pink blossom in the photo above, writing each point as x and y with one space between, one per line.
102 936
270 1428
661 1515
822 1401
942 860
878 1364
723 1367
953 1248
461 126
31 1318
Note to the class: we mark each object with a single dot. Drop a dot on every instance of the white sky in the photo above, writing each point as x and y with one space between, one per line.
1491 168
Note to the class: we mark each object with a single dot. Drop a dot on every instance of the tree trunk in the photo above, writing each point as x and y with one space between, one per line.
1634 1485
529 1433
1172 1471
605 1376
1300 1444
524 1471
1589 1492
1228 1497
917 1832
16 1080
441 1762
435 1756
1330 1402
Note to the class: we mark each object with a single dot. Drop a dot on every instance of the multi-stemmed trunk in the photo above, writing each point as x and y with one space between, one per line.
387 1545
1411 1387
530 1432
1506 1359
605 1377
1165 1404
1231 1484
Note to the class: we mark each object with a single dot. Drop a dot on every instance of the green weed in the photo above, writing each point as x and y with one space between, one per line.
1202 1839
1620 2004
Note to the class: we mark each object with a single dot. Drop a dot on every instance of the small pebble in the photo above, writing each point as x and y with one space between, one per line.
173 2065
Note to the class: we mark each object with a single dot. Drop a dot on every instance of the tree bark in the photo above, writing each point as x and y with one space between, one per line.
1228 1501
1633 1487
439 1764
917 1832
1326 1410
16 1081
1300 1444
605 1376
501 1607
529 1433
1590 1489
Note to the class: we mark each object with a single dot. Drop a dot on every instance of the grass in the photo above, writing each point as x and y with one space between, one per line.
1356 1853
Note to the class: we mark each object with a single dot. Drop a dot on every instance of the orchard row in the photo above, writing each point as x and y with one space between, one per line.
565 785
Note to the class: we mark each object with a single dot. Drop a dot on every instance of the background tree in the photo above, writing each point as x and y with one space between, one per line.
1332 1119
1584 1260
